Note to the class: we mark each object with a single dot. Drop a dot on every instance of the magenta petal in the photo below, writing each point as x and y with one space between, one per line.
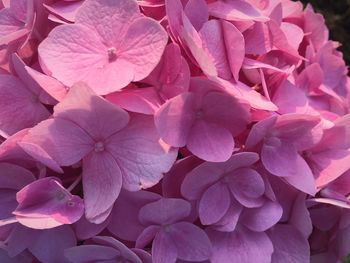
146 236
45 204
38 153
214 204
90 112
262 218
331 164
102 182
24 111
84 229
124 217
282 159
197 13
243 245
164 211
259 131
199 179
191 242
229 221
14 177
63 140
175 118
163 249
48 249
88 253
246 184
210 142
226 111
289 245
141 155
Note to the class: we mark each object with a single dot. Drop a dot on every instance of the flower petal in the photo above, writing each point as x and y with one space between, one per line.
102 181
214 204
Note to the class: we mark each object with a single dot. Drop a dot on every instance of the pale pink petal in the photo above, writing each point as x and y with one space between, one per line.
102 181
258 39
68 53
195 46
175 118
293 33
294 126
52 86
331 164
39 154
214 204
213 44
143 46
303 181
236 52
145 100
64 10
142 156
109 18
245 93
235 11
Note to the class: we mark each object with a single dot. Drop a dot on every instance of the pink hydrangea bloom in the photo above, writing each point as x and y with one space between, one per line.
113 36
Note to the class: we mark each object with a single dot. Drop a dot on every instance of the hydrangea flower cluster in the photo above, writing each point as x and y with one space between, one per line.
172 131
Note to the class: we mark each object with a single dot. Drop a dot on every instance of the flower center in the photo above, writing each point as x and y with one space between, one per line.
199 114
167 228
60 195
99 147
112 54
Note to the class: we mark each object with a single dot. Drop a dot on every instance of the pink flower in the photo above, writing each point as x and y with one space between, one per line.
110 45
45 203
109 148
205 119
